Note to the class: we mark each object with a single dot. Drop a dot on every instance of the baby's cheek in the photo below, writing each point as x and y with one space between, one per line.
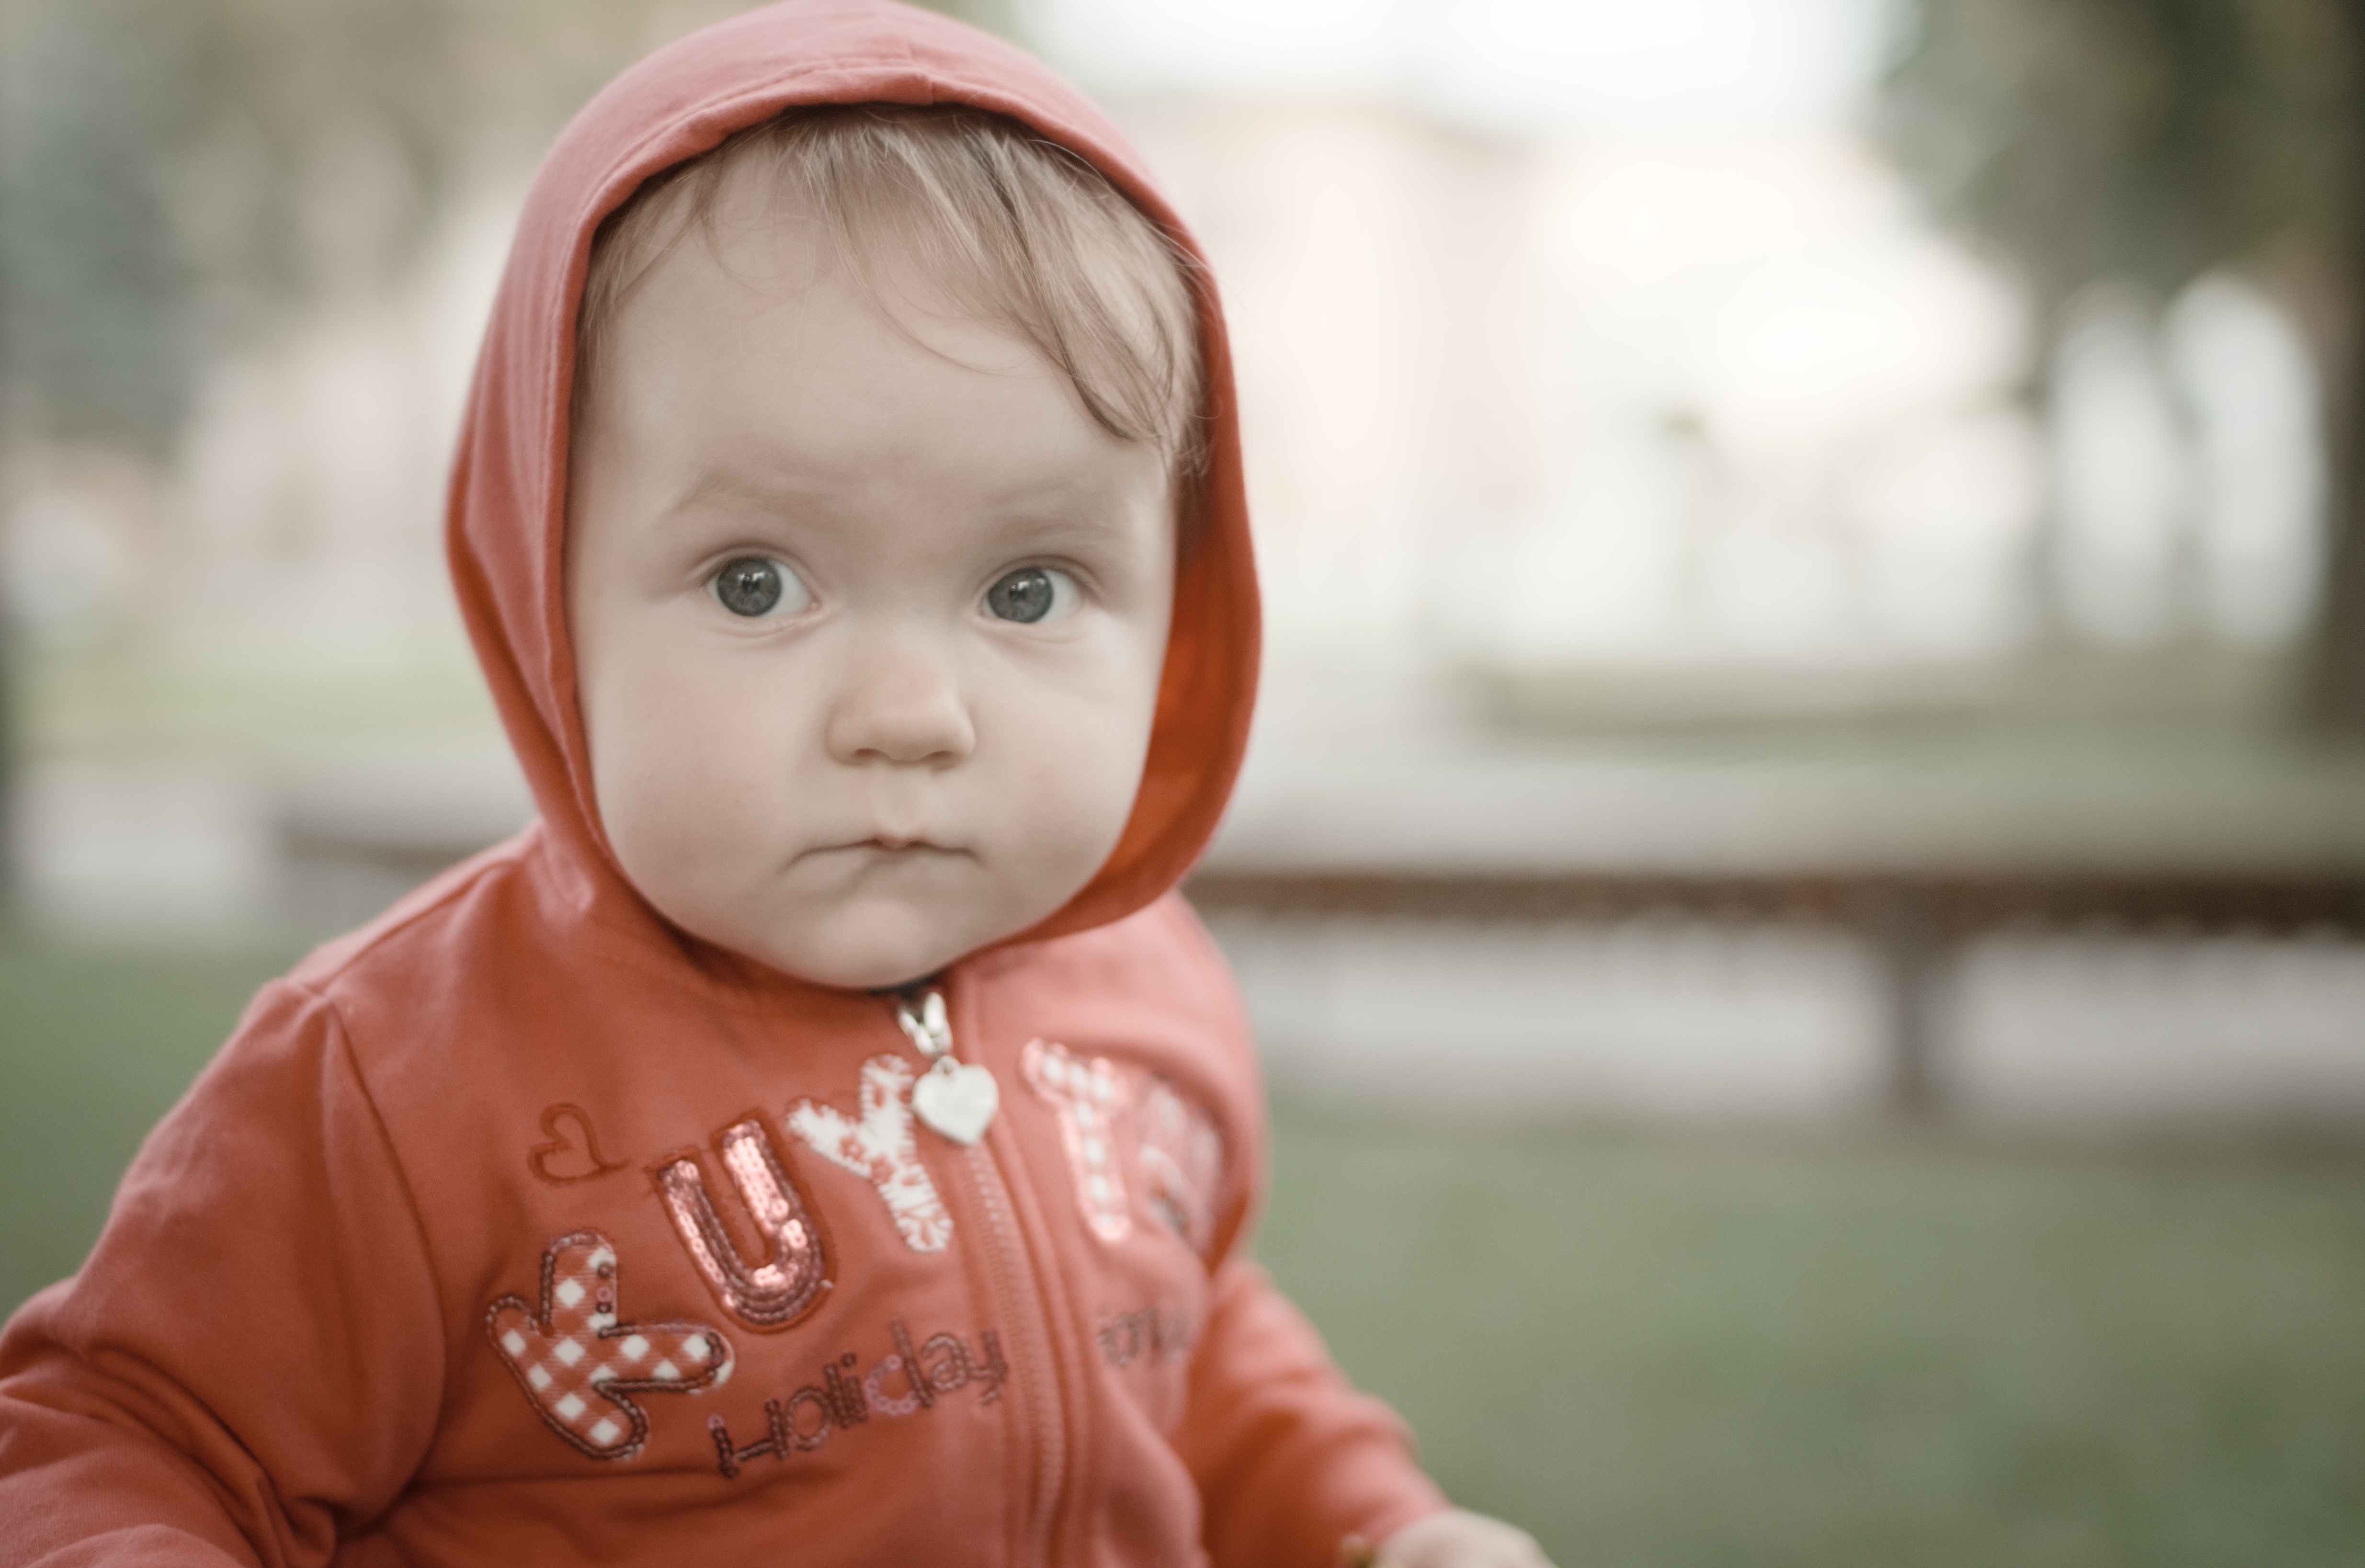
1077 799
678 771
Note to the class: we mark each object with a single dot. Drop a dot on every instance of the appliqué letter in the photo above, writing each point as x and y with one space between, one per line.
793 1278
880 1149
1087 1095
1182 1162
580 1367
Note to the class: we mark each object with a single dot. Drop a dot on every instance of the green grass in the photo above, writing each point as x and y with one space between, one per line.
1672 1354
149 698
94 1047
1653 1351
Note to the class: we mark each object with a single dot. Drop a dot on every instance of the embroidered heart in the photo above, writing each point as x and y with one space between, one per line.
957 1099
560 1160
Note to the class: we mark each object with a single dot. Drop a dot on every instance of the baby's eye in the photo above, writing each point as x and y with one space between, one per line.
754 585
1033 594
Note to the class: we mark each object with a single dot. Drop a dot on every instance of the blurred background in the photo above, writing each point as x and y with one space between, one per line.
1802 872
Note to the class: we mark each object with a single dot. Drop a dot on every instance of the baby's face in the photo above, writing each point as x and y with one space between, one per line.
868 631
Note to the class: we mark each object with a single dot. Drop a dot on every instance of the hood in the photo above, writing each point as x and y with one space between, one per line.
508 499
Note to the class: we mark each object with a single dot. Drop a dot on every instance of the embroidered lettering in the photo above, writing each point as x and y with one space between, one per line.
1126 1337
846 1398
1086 1095
878 1399
905 1358
990 1369
951 1370
572 1356
816 1435
730 1458
794 1278
1182 1162
845 1394
784 1431
560 1160
880 1149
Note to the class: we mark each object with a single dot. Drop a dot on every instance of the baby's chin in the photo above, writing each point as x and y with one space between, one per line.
876 943
870 922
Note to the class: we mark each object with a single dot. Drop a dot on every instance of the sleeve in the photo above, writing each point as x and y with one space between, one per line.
249 1366
1289 1458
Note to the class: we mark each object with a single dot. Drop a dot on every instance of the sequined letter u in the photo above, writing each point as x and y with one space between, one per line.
792 1280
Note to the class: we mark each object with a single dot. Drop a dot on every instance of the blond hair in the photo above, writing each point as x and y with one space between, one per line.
1016 228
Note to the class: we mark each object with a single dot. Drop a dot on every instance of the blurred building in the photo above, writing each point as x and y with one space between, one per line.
1698 401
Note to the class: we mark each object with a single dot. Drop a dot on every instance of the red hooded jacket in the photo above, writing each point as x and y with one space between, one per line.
520 1228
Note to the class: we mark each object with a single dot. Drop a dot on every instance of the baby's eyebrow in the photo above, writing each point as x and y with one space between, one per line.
1050 517
1056 532
732 489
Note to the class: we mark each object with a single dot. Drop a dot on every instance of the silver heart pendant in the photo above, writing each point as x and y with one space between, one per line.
957 1099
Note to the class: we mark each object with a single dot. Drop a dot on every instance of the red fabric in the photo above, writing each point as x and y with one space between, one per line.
313 1328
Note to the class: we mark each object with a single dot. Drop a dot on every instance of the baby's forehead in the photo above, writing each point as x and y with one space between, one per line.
814 413
944 210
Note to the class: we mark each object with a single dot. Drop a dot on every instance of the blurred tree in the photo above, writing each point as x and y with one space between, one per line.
93 345
178 175
2149 141
180 179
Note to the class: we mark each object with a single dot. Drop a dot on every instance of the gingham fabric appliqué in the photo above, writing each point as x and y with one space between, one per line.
880 1149
1088 1096
580 1367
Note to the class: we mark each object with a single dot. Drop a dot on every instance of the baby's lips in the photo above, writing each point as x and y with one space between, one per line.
892 842
884 844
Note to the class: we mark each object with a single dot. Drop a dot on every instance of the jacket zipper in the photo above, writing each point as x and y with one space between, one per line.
1034 1369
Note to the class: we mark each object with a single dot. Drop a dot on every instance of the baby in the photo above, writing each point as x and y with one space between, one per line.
824 1136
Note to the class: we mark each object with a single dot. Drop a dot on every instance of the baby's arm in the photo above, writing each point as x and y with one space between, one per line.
251 1361
1289 1458
1297 1467
1294 1466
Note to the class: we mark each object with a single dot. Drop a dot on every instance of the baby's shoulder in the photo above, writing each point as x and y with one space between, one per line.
1151 989
485 956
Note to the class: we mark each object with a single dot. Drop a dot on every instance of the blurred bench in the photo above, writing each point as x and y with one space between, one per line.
1915 923
1915 876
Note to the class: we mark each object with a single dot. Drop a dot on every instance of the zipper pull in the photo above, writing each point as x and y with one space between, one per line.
957 1099
922 1013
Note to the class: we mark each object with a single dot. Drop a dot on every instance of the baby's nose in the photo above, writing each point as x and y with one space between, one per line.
901 702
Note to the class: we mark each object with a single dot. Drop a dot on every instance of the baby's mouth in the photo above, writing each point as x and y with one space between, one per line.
892 857
890 843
